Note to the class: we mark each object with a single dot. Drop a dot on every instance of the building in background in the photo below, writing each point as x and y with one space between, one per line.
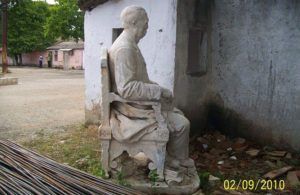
66 55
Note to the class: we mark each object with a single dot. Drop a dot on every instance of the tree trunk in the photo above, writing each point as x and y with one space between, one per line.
16 60
4 36
21 60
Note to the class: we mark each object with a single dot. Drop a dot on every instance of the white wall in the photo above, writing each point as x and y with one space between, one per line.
158 47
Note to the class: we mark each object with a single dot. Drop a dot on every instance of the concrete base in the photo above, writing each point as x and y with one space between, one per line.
8 81
189 185
135 173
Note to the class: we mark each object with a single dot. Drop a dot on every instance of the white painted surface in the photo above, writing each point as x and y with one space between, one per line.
158 47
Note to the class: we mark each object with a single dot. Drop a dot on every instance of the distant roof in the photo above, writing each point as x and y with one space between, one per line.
89 4
67 45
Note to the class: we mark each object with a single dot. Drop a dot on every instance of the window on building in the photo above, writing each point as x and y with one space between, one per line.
71 52
197 52
116 33
55 55
198 39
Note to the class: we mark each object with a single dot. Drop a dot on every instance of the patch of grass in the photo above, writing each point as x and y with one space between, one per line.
121 180
153 176
204 182
78 147
219 175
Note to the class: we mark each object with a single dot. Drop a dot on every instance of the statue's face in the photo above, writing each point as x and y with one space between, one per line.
142 26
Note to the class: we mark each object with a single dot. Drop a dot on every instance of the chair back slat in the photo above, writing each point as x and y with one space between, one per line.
105 88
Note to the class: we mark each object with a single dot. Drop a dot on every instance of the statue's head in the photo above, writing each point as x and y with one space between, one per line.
135 20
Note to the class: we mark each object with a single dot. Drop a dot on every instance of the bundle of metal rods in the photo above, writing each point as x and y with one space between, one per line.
25 172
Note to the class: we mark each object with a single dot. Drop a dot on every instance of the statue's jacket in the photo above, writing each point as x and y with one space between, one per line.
130 80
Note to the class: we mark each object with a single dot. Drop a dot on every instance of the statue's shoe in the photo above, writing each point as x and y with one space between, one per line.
189 163
172 162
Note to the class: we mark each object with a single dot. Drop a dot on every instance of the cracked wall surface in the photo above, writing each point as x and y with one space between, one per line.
256 68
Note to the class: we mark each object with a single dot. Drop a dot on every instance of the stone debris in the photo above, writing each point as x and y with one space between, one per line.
293 178
274 158
202 140
227 157
229 149
288 156
233 158
270 164
213 178
239 143
278 172
277 153
253 152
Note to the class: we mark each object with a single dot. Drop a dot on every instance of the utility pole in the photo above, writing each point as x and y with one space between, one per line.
4 36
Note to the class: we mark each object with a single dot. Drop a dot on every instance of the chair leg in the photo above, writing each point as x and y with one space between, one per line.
161 155
105 156
158 156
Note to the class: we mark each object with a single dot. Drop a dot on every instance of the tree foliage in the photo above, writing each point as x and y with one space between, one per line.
26 22
35 25
66 20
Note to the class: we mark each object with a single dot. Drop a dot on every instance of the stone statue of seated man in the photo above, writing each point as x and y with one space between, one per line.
130 122
130 80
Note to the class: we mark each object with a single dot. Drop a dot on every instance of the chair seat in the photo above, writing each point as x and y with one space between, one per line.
159 135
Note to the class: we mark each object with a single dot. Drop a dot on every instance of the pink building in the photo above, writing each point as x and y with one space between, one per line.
28 59
67 55
32 58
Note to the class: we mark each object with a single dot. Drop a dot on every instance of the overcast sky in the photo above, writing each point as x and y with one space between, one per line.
50 1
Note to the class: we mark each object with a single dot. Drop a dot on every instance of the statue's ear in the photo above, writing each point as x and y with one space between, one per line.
133 22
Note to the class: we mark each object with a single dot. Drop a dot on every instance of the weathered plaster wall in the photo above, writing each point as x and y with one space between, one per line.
256 67
158 47
191 92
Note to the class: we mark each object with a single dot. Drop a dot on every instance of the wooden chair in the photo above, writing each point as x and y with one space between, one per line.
153 145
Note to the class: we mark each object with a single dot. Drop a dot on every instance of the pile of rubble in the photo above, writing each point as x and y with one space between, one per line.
223 158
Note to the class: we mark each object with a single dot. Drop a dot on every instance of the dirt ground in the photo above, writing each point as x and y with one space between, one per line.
44 100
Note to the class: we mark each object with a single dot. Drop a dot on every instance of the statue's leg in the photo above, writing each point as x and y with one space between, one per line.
178 145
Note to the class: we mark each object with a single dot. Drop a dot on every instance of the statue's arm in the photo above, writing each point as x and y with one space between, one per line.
126 78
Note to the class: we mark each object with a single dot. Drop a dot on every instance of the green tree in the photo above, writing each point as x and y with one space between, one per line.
66 20
26 27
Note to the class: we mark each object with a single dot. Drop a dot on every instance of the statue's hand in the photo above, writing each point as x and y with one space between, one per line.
166 99
166 93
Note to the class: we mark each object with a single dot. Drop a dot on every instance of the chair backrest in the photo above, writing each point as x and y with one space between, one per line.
105 131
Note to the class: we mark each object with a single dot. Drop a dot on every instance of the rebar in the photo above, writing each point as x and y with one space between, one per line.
23 171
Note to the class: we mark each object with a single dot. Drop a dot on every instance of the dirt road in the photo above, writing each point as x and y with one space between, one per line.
45 99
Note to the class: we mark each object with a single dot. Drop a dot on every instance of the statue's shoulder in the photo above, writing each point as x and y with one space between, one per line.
121 47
